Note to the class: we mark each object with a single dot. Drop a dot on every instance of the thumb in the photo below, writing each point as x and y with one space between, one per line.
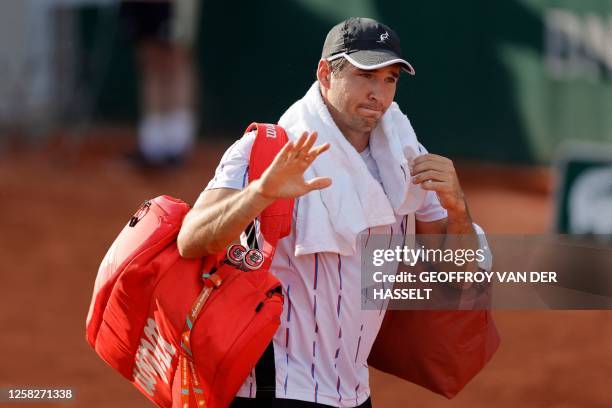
318 183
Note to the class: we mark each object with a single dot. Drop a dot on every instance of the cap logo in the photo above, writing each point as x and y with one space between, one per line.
383 37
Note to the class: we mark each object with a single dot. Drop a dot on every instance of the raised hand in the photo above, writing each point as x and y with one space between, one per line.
285 176
438 174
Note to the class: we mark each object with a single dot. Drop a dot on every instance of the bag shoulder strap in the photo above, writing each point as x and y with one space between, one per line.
275 220
275 223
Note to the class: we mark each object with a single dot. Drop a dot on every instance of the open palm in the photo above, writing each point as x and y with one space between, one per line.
285 176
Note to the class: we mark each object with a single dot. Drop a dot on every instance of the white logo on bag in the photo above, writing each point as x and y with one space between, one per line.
271 132
153 358
383 37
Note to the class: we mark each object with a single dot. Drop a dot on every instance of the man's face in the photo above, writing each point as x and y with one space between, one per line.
359 98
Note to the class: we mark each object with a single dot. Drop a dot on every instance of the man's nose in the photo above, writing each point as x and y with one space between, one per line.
375 94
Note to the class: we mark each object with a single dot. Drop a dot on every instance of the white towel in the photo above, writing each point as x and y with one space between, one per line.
331 219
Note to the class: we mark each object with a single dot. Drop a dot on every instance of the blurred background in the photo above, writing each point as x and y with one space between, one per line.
104 103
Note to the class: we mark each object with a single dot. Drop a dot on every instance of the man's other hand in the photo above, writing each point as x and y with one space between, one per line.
438 174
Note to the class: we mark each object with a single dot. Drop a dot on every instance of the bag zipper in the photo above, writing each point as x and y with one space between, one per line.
269 294
140 213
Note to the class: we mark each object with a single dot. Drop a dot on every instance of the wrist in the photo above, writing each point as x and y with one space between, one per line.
458 211
459 219
259 194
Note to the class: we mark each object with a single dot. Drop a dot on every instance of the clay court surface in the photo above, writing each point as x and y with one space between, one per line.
63 205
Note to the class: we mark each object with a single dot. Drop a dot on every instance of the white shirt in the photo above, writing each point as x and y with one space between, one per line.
322 345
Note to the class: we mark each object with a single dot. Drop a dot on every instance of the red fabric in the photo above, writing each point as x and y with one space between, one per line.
276 219
144 291
439 350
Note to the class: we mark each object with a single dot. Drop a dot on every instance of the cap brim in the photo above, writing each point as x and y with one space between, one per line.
375 59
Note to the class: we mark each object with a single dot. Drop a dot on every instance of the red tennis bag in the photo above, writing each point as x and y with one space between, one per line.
187 332
441 350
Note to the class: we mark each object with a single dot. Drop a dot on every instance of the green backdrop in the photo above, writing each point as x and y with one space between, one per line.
496 80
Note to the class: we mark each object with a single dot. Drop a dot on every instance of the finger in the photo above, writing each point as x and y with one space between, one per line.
430 157
437 186
313 153
285 151
304 150
318 183
312 138
433 175
316 151
300 141
429 165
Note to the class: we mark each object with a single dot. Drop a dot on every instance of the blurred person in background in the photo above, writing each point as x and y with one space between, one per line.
163 31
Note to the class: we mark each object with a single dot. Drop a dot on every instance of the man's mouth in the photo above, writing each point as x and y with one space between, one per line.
369 110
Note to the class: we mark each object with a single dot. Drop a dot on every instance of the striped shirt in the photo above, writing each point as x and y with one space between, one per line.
324 339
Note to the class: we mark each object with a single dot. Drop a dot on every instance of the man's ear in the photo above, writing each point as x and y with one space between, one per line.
324 73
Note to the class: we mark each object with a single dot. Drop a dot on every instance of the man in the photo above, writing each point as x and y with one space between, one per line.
320 351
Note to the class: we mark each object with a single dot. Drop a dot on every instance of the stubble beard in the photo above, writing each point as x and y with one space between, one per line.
365 125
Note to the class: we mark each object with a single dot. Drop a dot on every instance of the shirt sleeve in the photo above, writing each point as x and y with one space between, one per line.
232 172
487 263
431 210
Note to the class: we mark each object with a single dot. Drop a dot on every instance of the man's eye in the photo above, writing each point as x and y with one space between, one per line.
366 75
391 80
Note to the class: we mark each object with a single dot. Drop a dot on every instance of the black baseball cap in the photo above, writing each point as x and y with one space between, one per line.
365 43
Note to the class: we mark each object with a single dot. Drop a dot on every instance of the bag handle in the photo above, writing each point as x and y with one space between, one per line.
275 220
